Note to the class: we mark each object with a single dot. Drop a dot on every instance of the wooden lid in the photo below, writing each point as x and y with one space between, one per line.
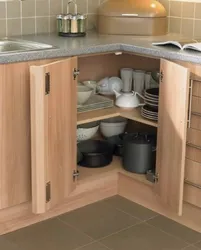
132 8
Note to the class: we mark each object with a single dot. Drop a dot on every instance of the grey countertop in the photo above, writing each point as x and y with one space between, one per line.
95 43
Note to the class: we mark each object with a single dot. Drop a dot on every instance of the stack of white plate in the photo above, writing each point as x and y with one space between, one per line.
151 99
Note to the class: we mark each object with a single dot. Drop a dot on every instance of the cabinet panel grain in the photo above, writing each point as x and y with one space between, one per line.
15 142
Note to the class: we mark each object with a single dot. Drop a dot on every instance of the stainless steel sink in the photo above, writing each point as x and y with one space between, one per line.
12 46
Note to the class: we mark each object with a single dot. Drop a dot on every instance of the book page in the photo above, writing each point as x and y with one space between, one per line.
193 46
174 43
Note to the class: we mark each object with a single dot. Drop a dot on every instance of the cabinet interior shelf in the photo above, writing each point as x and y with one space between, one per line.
90 174
96 115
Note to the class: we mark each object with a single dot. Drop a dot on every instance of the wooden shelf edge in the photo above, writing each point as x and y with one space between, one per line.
97 115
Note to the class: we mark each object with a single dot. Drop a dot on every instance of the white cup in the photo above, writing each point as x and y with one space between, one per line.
138 81
148 80
127 78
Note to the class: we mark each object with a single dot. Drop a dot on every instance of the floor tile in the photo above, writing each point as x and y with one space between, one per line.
198 245
94 246
176 229
191 248
99 220
131 207
143 237
6 245
52 235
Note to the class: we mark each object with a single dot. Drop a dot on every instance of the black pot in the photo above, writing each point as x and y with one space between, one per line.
116 142
138 153
95 153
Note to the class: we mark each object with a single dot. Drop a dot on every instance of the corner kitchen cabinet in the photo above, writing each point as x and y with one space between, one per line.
49 169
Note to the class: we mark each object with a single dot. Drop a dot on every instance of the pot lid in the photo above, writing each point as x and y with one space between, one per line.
137 139
132 8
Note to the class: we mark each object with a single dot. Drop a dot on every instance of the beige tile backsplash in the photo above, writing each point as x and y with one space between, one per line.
39 16
184 17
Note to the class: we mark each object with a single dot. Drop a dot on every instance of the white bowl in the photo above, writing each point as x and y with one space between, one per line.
113 126
83 94
87 131
91 84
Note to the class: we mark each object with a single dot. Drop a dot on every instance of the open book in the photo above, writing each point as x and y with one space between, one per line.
181 45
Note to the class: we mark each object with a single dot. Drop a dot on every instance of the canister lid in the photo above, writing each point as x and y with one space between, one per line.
132 8
60 16
80 16
74 17
66 17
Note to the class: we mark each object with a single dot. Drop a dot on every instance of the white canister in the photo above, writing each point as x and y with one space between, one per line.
127 78
138 81
148 80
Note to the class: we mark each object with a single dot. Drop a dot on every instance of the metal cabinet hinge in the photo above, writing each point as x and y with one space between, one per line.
47 83
48 191
75 174
152 177
161 76
76 72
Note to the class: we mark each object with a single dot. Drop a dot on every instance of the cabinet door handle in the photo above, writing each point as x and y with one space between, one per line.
192 184
190 103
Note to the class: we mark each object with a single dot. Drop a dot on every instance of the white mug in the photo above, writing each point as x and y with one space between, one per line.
138 81
127 78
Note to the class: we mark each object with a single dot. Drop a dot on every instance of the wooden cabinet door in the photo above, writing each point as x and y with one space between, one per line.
172 129
53 133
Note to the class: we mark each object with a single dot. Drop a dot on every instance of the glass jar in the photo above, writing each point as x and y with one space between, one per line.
81 24
66 23
59 23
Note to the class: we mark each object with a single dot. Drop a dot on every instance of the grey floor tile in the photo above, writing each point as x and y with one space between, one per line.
176 229
94 246
191 248
6 245
52 235
99 220
198 245
131 207
143 237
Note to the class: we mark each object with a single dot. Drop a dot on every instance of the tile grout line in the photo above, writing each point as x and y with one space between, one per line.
138 223
169 234
77 229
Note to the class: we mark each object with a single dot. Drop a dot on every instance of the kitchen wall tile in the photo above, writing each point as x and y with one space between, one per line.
175 9
13 9
42 25
2 27
93 6
175 25
55 7
92 21
28 8
28 26
2 10
187 27
188 10
42 8
53 24
198 10
197 31
82 6
14 27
